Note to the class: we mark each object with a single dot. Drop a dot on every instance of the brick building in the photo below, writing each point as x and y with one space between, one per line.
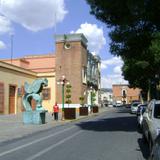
71 59
121 92
79 66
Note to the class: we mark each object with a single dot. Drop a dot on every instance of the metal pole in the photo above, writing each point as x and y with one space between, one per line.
91 97
11 47
63 101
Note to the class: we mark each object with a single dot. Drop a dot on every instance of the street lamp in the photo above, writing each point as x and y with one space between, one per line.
62 81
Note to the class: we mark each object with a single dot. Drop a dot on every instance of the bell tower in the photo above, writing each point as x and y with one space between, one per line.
71 62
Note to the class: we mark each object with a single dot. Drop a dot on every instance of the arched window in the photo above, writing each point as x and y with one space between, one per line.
124 93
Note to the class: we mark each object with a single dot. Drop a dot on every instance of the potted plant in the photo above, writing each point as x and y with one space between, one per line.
93 99
68 94
83 111
69 113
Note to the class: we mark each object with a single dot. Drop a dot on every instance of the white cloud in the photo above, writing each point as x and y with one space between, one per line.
117 69
2 45
108 81
94 35
103 66
111 61
5 25
34 15
113 65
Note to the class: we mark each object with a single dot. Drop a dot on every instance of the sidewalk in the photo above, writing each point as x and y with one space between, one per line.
12 127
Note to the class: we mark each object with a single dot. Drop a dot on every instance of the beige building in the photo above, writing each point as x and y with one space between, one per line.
12 87
71 59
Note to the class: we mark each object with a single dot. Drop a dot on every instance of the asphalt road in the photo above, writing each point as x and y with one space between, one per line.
110 136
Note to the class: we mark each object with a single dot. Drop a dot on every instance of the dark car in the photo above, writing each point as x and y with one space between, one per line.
155 153
127 105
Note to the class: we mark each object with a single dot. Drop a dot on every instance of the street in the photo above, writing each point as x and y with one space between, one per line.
110 136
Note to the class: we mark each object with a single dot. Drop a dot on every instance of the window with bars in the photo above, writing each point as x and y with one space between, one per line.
46 94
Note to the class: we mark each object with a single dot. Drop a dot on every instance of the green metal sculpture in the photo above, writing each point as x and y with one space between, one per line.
32 91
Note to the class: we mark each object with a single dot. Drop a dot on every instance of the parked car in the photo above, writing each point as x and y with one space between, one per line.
134 107
141 109
151 122
138 101
110 104
155 153
119 104
127 105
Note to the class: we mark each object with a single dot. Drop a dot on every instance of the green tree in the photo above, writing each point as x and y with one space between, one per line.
135 26
93 98
68 94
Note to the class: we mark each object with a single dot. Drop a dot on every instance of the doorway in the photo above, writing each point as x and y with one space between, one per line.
12 92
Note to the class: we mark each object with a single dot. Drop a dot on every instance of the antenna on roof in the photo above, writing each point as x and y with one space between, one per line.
11 40
54 32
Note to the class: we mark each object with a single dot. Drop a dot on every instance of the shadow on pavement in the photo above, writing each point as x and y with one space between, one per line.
144 148
123 110
126 124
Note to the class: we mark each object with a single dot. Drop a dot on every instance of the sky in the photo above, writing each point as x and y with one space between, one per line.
32 25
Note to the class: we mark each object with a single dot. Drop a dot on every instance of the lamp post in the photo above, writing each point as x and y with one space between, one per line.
62 81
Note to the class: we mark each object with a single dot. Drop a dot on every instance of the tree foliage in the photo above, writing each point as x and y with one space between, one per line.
68 94
93 98
135 36
81 98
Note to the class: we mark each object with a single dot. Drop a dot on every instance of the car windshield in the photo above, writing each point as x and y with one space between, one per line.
157 111
135 104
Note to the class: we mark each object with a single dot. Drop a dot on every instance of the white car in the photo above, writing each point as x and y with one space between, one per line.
151 122
134 107
118 104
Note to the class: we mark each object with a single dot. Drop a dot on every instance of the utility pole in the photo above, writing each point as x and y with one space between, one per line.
11 39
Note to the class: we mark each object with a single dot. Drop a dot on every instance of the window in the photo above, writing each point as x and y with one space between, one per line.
150 109
157 111
46 94
124 93
84 75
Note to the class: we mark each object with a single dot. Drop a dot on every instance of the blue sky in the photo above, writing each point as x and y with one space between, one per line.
33 25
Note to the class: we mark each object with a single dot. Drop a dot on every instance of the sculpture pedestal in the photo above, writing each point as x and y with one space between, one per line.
34 117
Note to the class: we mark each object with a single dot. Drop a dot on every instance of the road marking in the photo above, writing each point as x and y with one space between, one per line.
33 142
53 146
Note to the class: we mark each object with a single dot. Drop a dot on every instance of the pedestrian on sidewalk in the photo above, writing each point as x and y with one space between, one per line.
56 111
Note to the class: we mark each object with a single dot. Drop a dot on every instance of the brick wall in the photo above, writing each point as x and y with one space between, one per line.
69 62
131 94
